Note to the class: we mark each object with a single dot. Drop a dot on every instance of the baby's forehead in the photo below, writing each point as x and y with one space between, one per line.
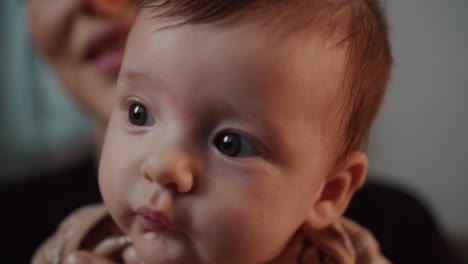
303 60
298 68
313 45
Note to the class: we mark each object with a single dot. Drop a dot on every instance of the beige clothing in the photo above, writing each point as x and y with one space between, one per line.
344 242
83 229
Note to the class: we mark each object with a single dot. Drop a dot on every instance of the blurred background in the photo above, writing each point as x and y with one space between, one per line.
421 137
38 121
418 144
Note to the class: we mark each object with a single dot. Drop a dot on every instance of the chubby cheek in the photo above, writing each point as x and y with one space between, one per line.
244 223
116 176
245 236
47 21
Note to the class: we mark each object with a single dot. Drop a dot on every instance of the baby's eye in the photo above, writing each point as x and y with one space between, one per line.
138 115
235 145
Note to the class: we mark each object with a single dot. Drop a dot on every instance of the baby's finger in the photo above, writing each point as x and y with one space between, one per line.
365 245
332 241
130 256
112 247
361 238
86 257
311 256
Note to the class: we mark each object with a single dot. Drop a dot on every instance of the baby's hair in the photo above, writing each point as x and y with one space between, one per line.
357 25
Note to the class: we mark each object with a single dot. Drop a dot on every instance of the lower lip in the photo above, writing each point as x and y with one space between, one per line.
154 225
109 63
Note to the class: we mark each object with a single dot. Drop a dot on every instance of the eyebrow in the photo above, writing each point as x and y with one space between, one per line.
129 82
131 76
267 127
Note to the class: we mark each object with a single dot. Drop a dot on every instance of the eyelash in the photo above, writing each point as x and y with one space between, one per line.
260 148
263 152
127 103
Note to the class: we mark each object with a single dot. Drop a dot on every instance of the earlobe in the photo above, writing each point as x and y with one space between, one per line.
337 190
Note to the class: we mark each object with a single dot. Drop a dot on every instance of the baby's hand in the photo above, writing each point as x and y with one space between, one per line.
109 251
343 242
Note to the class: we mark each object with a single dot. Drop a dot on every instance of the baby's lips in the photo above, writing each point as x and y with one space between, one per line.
111 8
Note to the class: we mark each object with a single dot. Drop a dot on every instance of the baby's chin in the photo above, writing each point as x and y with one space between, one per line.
153 248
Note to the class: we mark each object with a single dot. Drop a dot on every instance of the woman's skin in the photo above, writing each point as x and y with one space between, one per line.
84 43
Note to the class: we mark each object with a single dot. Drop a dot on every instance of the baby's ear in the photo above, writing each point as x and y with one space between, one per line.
337 190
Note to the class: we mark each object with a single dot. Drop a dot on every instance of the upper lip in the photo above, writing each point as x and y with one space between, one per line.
155 215
112 37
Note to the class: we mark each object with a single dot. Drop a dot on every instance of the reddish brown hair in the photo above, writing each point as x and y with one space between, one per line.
359 26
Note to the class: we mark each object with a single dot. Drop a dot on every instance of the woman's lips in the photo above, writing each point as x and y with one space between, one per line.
105 49
109 62
155 221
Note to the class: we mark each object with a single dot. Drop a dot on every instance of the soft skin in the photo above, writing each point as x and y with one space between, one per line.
63 32
197 83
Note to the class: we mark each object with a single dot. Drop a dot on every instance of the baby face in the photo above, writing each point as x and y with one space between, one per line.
214 151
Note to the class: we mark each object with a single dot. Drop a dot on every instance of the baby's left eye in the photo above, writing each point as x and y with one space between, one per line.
235 145
138 115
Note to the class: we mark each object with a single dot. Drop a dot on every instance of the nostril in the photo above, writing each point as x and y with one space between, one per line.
173 187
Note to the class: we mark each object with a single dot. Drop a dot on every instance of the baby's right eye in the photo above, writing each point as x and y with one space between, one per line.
235 145
138 115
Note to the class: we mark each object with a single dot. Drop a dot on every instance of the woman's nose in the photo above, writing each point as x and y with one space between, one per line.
111 8
174 171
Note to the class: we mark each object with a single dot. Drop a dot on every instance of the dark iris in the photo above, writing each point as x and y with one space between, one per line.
137 115
229 144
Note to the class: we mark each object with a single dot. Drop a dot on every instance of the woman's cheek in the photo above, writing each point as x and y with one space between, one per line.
39 32
49 22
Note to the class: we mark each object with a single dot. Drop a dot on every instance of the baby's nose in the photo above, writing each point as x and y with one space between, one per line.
174 171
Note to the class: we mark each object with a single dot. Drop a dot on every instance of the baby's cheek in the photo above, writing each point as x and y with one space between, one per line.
116 198
109 185
241 234
113 179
